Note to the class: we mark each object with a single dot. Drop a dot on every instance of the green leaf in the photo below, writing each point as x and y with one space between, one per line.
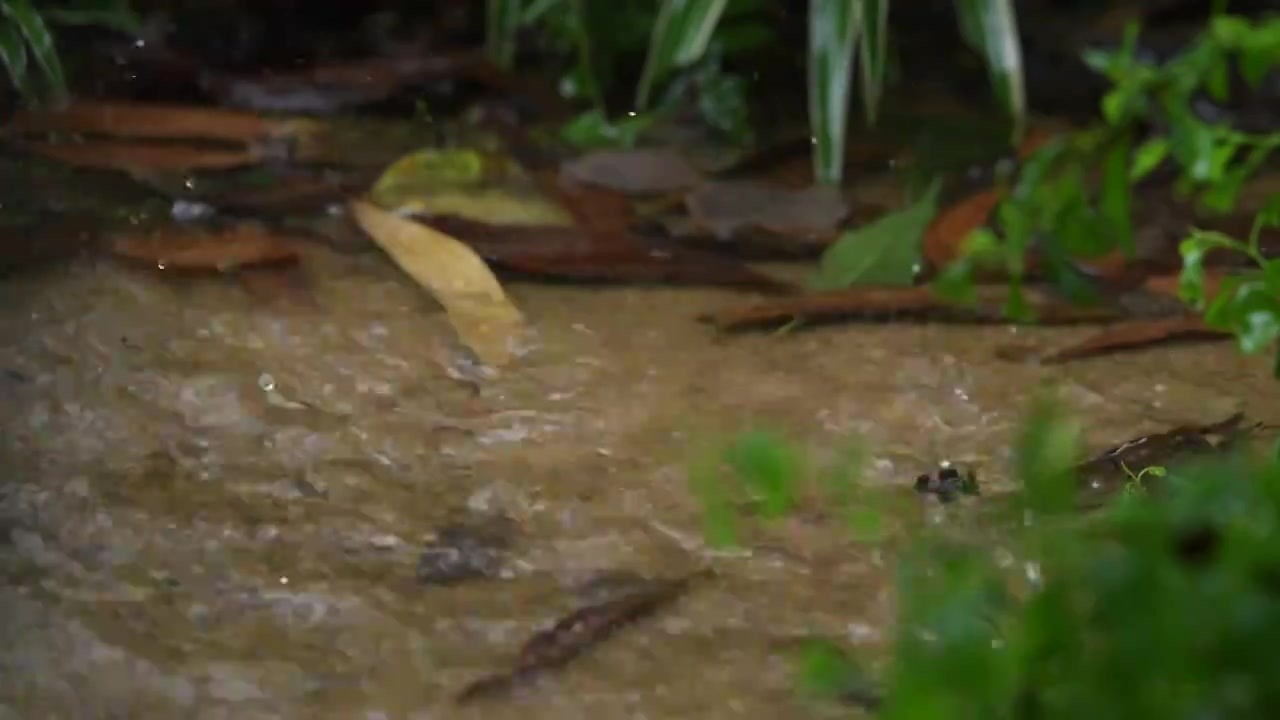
834 29
40 42
883 252
1114 198
1256 311
955 282
1148 157
592 129
114 14
13 52
875 36
991 26
502 21
680 38
1191 141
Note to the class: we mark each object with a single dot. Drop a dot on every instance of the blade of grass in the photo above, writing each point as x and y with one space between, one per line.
834 27
40 41
502 19
13 52
875 35
586 54
680 38
991 28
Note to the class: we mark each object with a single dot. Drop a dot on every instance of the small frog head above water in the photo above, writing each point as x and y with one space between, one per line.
948 483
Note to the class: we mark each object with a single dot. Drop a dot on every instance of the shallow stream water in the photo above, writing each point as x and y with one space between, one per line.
213 506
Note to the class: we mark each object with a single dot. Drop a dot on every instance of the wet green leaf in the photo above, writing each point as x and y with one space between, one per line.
834 29
592 129
1191 142
873 51
13 53
982 249
883 252
991 27
39 41
1114 197
1148 157
680 38
1255 312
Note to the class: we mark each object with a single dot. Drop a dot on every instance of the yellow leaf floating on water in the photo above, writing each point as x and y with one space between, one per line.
485 319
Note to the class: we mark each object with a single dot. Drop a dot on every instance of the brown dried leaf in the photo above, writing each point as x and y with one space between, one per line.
945 236
197 249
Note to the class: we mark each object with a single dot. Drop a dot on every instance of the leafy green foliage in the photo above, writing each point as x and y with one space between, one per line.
884 252
25 36
1162 605
681 34
1246 303
1053 203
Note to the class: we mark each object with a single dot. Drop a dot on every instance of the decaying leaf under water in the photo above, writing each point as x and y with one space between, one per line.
179 247
161 122
135 156
807 216
576 633
484 318
643 171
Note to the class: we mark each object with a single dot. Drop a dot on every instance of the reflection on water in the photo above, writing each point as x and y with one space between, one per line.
216 506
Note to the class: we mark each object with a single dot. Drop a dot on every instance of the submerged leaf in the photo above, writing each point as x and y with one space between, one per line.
194 249
885 252
426 171
641 171
466 184
484 318
727 208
